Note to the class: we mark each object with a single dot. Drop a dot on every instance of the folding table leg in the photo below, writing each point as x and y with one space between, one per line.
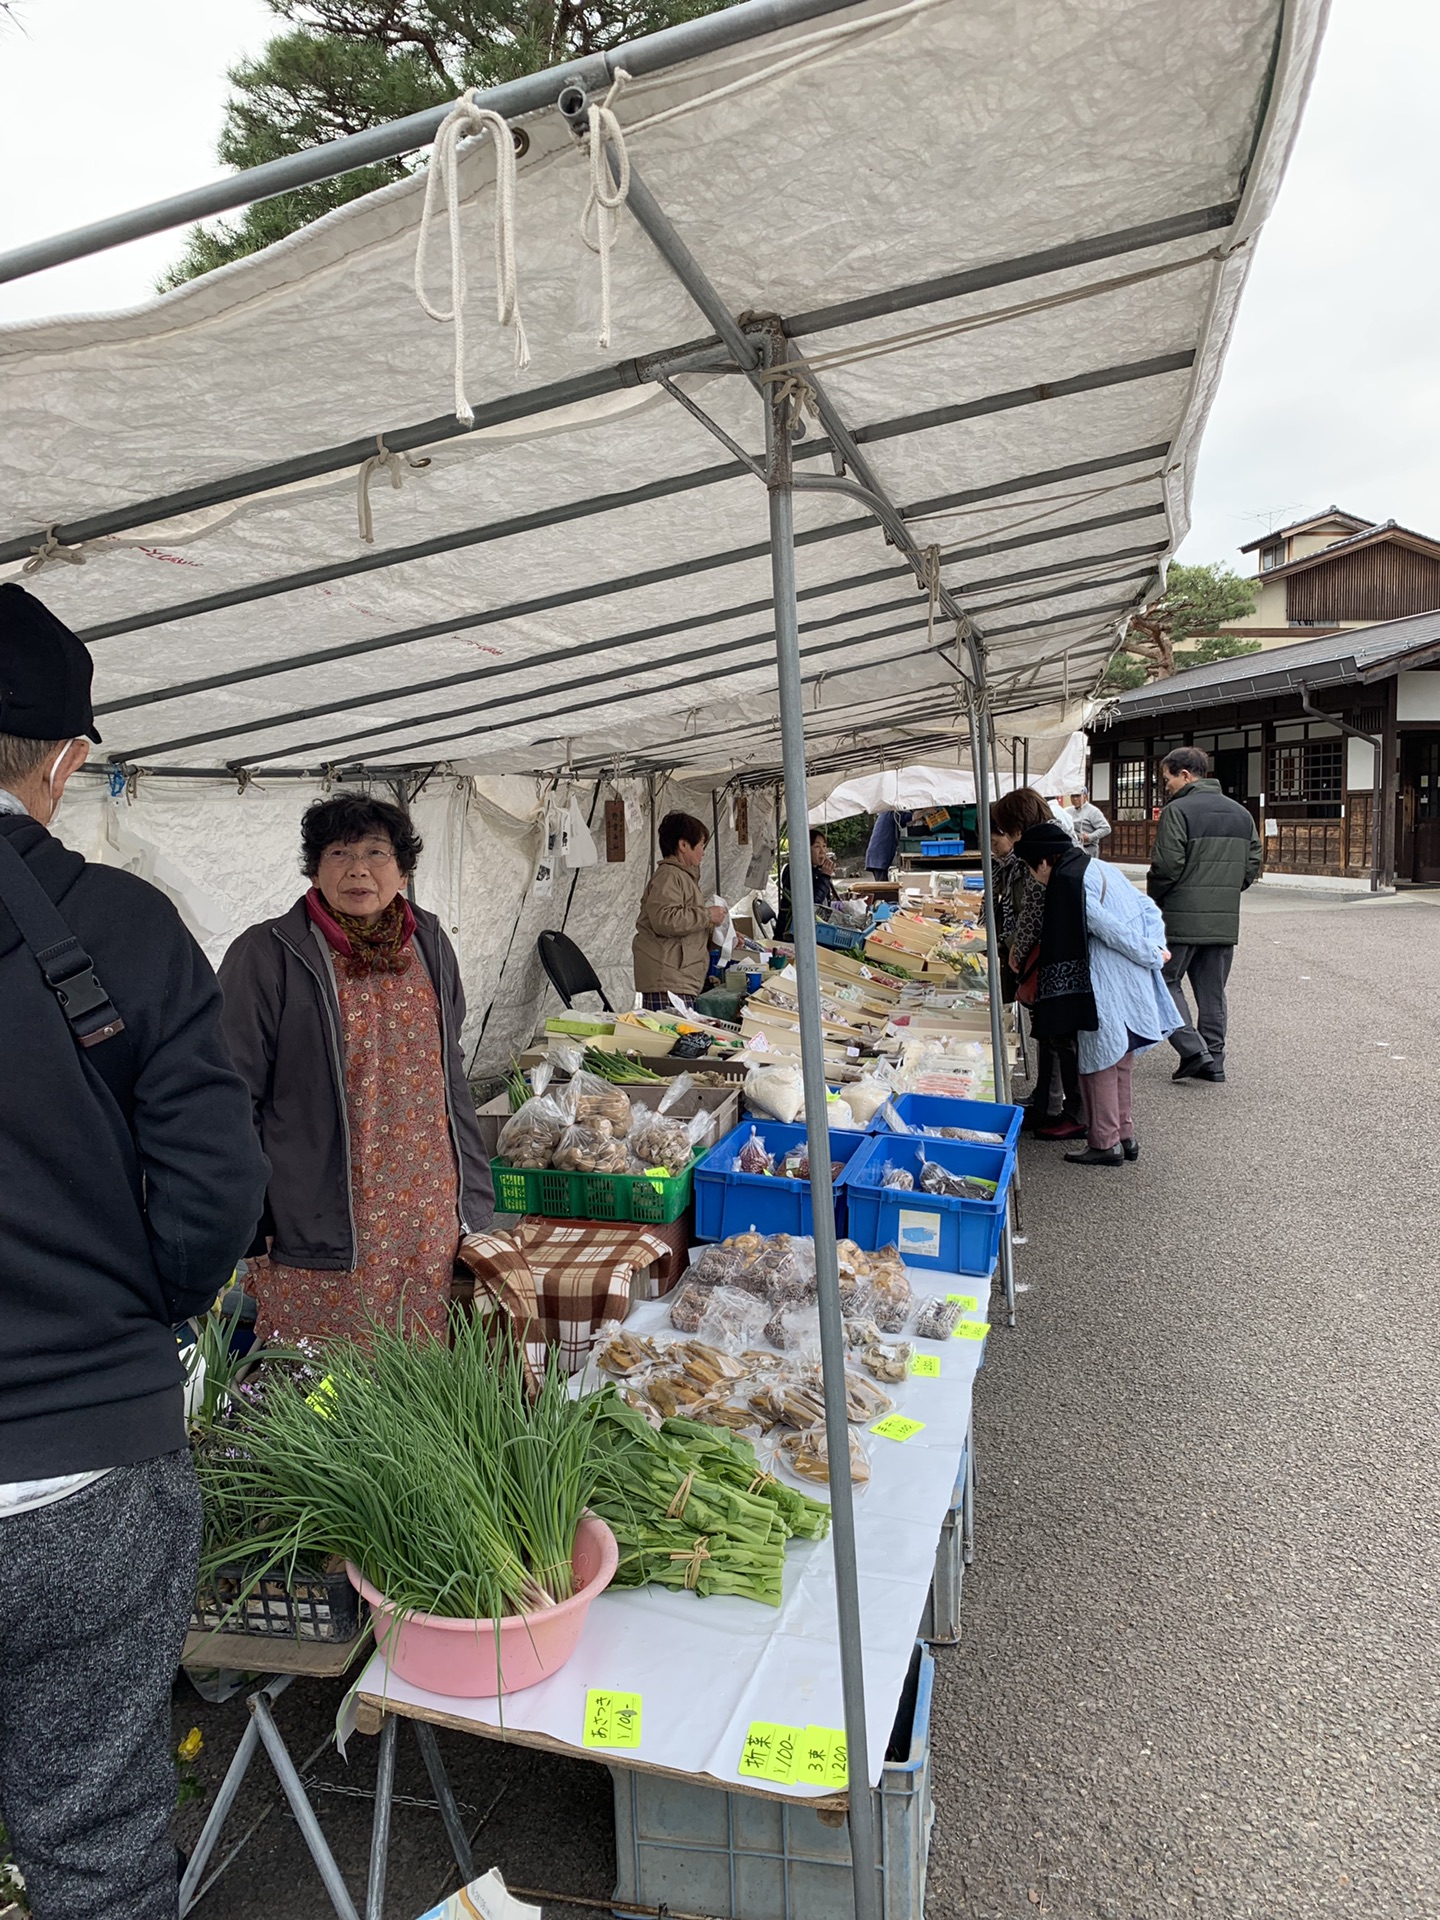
1007 1268
224 1800
294 1790
444 1794
380 1827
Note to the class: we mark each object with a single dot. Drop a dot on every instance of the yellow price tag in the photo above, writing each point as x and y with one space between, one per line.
972 1329
771 1752
926 1364
898 1426
316 1401
822 1758
657 1174
611 1719
968 1302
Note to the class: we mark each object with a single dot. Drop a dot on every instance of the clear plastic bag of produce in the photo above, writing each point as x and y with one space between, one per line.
595 1099
590 1146
796 1331
891 1295
789 1270
532 1133
623 1354
777 1091
866 1096
754 1156
658 1140
732 1320
898 1179
807 1454
953 1186
688 1303
796 1165
745 1252
887 1360
938 1319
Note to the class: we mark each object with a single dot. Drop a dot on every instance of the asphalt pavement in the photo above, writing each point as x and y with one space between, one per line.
1199 1671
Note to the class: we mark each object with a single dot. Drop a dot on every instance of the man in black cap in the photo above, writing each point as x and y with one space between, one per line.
130 1182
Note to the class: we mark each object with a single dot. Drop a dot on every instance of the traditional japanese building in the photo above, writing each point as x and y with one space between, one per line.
1336 571
1332 743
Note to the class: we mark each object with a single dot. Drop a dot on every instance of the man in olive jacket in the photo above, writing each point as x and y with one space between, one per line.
1207 852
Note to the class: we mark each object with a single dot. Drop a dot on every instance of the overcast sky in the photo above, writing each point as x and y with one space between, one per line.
1332 387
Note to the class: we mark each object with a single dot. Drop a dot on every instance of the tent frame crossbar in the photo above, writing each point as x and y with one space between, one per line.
693 356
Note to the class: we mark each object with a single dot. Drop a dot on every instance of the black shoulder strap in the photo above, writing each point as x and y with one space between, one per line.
70 975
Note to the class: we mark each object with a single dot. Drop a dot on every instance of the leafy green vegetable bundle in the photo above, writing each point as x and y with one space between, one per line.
692 1507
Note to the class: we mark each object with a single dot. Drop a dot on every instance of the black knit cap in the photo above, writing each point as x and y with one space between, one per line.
1045 842
45 672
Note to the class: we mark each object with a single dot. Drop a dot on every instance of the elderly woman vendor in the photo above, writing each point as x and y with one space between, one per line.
343 1017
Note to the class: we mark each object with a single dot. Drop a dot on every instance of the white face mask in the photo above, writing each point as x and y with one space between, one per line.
55 798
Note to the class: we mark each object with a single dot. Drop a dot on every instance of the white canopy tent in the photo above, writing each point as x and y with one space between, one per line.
980 262
905 789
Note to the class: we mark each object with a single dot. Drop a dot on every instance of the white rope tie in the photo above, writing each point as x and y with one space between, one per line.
442 183
600 222
383 460
50 550
929 570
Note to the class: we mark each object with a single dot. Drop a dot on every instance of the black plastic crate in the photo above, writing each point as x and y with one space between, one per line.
304 1606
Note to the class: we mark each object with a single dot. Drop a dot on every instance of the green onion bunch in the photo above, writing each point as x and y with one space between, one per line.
453 1488
692 1508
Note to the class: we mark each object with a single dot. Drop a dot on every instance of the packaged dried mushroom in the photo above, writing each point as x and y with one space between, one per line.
938 1319
597 1099
590 1146
623 1353
532 1133
887 1360
688 1304
808 1454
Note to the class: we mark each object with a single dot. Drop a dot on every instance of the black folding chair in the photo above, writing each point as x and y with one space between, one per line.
567 969
763 913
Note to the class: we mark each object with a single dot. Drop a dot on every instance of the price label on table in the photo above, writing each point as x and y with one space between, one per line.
822 1761
898 1426
611 1719
795 1756
968 1302
927 1365
972 1329
771 1752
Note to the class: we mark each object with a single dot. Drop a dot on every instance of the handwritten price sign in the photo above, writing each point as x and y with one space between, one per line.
795 1756
611 1719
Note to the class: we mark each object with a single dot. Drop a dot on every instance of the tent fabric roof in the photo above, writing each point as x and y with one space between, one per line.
1365 653
582 580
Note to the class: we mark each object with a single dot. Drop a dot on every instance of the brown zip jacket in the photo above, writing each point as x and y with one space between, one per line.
672 934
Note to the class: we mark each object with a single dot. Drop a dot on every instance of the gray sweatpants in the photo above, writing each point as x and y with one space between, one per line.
95 1597
1207 969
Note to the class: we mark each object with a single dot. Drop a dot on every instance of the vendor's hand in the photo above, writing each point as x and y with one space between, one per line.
1164 955
717 916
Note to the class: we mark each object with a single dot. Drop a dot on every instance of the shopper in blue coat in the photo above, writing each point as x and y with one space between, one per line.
1102 947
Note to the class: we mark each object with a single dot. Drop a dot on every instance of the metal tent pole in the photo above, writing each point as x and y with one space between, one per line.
980 760
817 1131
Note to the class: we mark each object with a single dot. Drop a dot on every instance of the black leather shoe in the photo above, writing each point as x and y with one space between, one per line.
1215 1075
1195 1068
1097 1157
1130 1149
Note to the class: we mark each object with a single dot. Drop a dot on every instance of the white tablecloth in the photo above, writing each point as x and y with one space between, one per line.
707 1668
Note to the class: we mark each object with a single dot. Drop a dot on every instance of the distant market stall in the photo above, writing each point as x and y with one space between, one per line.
861 416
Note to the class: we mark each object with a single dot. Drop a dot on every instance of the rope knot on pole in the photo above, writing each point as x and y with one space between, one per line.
383 460
793 395
442 189
50 550
609 190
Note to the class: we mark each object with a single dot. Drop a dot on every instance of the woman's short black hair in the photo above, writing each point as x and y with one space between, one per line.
816 833
676 827
347 817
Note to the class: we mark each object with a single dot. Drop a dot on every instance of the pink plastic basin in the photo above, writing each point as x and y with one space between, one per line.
458 1657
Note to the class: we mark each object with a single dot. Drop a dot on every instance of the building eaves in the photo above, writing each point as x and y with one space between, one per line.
1358 521
1362 655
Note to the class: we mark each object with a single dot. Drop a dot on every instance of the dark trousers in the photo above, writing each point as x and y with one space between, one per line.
1207 969
1056 1057
95 1596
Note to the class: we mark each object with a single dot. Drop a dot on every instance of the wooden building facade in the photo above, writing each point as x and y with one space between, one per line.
1333 745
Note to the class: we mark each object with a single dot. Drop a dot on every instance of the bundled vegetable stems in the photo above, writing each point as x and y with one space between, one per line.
431 1469
692 1508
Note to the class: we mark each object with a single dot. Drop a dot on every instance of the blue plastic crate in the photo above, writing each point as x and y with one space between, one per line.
727 1201
744 1856
948 843
930 1229
919 1110
846 938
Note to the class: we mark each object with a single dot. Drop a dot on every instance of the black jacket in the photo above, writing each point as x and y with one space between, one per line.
108 1239
282 1020
1207 851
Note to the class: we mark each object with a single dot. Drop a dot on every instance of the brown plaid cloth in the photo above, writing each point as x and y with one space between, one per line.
582 1270
662 1003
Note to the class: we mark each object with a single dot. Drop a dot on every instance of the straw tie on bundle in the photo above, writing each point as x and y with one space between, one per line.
442 182
600 221
696 1557
676 1508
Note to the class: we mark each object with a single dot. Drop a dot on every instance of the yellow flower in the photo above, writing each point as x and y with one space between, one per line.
191 1746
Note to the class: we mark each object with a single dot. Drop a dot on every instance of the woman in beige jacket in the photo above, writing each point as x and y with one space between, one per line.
672 934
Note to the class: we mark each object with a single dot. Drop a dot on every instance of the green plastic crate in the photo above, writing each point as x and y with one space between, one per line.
592 1196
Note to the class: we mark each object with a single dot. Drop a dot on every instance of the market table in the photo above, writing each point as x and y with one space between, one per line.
707 1669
